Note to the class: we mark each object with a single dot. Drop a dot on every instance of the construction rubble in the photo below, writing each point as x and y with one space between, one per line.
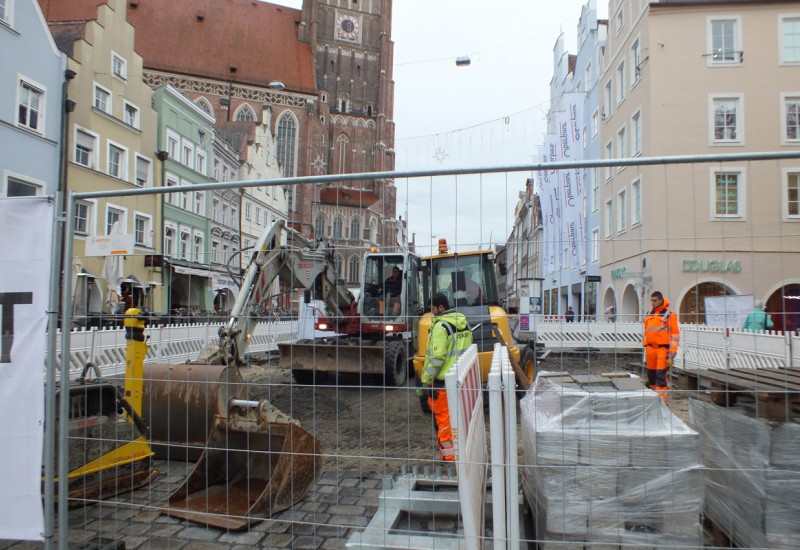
606 462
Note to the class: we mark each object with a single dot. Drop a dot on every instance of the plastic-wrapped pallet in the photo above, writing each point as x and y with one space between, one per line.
609 466
752 474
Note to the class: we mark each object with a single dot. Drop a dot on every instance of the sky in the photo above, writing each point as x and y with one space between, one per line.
490 113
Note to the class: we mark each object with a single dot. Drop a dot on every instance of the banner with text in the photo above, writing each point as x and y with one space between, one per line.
26 227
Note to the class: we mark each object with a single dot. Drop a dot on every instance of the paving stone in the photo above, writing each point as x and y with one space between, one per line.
331 531
346 509
371 495
329 499
205 546
314 507
307 542
334 543
146 516
328 489
131 543
291 515
157 543
162 530
251 538
272 527
349 500
350 521
280 540
349 482
373 483
198 533
351 491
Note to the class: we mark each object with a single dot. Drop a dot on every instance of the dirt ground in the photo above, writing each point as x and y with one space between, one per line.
382 430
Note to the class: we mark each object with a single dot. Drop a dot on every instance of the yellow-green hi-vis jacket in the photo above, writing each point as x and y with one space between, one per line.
450 337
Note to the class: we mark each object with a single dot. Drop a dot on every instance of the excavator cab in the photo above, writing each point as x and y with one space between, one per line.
390 289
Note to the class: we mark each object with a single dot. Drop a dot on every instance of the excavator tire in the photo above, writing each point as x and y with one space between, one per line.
528 363
396 364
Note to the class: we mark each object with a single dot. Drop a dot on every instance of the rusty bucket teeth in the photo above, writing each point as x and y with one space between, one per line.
257 462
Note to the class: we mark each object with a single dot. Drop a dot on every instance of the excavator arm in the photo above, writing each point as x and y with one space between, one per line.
281 253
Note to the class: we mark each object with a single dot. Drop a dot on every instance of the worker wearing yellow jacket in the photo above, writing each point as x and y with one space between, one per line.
661 339
449 337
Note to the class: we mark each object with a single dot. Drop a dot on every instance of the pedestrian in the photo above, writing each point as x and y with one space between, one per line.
758 320
569 315
449 337
661 339
611 314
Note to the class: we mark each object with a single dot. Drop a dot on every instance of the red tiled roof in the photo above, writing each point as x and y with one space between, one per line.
257 38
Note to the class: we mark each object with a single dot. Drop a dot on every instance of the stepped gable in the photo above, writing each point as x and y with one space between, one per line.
205 38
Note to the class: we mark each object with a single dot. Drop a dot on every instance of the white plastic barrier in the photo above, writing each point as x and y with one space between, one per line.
168 344
465 401
559 334
503 436
766 349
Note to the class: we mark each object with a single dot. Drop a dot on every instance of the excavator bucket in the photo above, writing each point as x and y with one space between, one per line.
258 462
181 401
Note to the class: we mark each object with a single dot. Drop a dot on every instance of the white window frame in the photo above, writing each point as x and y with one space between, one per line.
595 123
122 74
712 59
185 244
173 145
123 164
7 15
622 211
123 217
781 38
636 202
199 203
594 185
636 130
135 120
609 151
248 208
787 172
741 191
595 245
201 162
608 100
147 242
636 62
149 181
198 250
215 250
609 219
258 215
187 154
109 107
785 99
740 128
26 180
93 154
621 83
41 91
622 144
619 19
587 76
170 244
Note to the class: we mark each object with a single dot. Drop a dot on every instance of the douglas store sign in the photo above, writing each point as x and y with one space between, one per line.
711 266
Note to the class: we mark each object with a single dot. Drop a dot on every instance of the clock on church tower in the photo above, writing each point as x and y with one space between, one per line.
348 27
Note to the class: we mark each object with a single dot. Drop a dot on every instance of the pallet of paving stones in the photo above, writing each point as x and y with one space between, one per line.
776 392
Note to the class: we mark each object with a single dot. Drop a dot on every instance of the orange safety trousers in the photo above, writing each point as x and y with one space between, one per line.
441 413
657 375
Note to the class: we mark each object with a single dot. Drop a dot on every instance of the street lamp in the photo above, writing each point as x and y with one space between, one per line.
276 85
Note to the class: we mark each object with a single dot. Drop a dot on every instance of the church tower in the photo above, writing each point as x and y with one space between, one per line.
353 52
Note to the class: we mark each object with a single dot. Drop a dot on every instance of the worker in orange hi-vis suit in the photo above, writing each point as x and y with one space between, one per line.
661 339
449 338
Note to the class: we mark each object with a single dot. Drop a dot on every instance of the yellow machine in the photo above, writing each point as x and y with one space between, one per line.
469 281
108 449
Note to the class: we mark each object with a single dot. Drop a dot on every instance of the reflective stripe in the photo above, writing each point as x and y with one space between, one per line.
432 371
436 362
446 448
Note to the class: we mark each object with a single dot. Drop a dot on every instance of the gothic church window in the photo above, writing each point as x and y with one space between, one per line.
245 114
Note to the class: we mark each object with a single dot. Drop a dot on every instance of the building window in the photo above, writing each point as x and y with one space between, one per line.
266 217
248 211
724 41
727 124
185 246
258 216
595 124
587 76
342 146
141 229
215 250
245 114
609 155
609 219
204 105
636 128
728 192
5 10
197 252
31 105
792 208
608 100
620 20
85 147
354 270
116 161
355 229
319 226
622 145
791 119
336 233
131 115
636 202
83 210
172 145
142 172
621 84
594 185
102 99
199 202
622 211
287 152
636 60
188 155
595 245
119 67
114 215
19 188
790 40
169 242
201 162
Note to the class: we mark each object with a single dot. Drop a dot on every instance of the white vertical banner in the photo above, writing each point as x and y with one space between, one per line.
569 140
26 228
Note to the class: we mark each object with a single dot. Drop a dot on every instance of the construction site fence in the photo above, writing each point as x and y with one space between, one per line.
178 343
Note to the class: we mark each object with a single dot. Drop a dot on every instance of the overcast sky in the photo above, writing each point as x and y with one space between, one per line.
490 113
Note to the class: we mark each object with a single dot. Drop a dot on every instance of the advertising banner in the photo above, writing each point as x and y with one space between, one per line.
26 226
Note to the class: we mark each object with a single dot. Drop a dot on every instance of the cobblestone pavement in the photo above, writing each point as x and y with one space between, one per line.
339 504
